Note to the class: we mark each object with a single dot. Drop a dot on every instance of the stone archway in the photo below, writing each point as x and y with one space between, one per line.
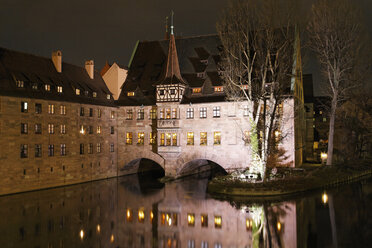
141 163
198 166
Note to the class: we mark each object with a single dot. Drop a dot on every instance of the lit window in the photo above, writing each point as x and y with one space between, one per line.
152 138
34 86
50 108
77 92
59 89
141 216
98 147
112 147
200 74
51 128
203 112
161 114
141 138
174 139
324 119
191 219
20 84
217 138
129 215
320 112
24 151
190 138
94 94
63 149
129 114
190 113
62 109
218 89
24 107
203 138
169 219
174 113
196 90
162 139
98 129
204 220
217 221
38 108
153 114
249 224
24 128
129 138
168 139
246 138
50 150
216 112
131 93
47 87
112 115
82 130
108 96
140 114
168 113
63 129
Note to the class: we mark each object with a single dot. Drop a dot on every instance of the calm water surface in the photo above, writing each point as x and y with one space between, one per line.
140 212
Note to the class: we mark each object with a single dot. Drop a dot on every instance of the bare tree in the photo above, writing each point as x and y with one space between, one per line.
257 66
336 36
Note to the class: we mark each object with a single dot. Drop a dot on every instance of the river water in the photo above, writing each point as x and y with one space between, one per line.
135 211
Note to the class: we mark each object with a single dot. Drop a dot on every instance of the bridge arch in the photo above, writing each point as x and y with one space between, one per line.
197 166
141 163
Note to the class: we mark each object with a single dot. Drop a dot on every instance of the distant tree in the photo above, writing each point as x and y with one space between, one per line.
335 34
256 67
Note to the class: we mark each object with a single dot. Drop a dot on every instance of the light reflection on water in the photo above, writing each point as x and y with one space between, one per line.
133 212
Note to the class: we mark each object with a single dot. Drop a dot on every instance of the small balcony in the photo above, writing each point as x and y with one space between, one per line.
168 123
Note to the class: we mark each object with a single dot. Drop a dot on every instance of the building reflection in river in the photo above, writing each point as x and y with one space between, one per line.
129 212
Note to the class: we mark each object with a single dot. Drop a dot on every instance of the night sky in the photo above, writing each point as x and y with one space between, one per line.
107 29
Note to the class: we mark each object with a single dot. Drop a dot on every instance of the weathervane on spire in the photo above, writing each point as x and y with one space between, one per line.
172 13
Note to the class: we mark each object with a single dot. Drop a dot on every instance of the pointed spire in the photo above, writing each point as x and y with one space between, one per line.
172 33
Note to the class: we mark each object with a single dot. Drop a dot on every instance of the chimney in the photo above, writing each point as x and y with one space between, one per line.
89 66
57 60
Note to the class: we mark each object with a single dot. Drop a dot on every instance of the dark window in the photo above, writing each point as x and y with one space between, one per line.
90 129
63 149
112 130
112 148
81 148
38 128
90 148
82 111
50 150
38 108
38 150
24 151
129 114
90 112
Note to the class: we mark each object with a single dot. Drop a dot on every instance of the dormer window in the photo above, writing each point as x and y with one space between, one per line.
59 89
34 86
77 92
204 61
86 92
172 91
47 87
218 89
94 94
131 93
196 90
200 74
20 84
108 97
161 92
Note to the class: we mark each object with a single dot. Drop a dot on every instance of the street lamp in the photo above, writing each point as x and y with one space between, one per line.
324 157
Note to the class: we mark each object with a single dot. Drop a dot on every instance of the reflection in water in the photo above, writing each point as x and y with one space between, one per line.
137 211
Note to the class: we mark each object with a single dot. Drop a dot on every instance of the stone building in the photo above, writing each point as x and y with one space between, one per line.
58 123
172 110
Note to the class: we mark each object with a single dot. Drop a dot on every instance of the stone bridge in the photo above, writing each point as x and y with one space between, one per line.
180 164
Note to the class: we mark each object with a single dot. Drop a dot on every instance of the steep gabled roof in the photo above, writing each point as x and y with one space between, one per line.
36 70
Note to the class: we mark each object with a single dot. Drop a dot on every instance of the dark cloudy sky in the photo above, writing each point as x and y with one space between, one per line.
106 29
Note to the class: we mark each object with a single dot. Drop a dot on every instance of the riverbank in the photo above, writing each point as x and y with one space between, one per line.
307 178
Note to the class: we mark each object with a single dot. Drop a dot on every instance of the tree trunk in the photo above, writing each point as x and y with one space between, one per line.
331 130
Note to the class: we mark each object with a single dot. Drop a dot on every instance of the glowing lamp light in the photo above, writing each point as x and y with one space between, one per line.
98 228
81 234
112 238
278 226
323 156
141 216
169 221
276 133
129 214
82 130
249 224
324 198
151 216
